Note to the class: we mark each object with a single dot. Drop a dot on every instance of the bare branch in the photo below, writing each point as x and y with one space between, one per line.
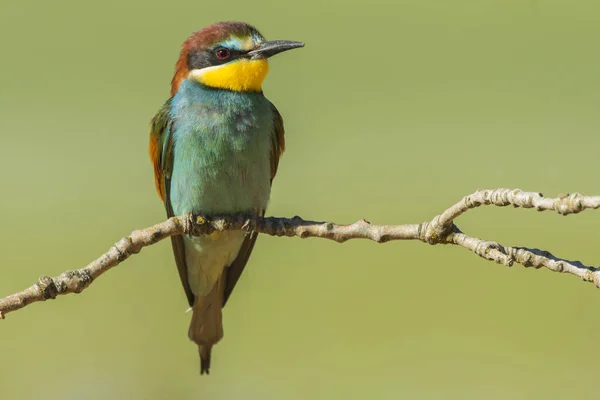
441 230
567 204
76 281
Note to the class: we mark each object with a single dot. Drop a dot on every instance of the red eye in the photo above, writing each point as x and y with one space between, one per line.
223 54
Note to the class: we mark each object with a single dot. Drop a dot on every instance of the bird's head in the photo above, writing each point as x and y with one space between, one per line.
228 55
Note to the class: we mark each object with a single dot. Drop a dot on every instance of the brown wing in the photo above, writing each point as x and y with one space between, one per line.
160 132
234 271
161 155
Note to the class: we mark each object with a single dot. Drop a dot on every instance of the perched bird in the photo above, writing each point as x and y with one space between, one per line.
215 145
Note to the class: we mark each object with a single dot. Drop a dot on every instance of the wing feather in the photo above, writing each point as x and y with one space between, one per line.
161 155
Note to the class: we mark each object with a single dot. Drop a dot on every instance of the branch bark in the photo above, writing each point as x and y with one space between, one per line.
440 230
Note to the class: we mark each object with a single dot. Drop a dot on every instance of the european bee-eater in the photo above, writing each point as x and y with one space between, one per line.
215 145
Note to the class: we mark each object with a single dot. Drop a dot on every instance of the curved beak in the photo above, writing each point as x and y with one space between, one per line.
268 49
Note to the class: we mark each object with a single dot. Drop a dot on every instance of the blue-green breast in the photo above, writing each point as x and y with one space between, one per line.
221 150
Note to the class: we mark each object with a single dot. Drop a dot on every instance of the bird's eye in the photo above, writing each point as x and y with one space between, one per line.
222 54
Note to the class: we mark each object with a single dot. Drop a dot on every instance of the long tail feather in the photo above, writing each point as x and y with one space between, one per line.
206 327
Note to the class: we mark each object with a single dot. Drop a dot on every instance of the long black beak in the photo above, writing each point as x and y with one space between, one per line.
268 49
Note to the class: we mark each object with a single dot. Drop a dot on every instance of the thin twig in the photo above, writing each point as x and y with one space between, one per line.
441 230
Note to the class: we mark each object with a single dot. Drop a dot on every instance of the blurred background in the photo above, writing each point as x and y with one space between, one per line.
393 111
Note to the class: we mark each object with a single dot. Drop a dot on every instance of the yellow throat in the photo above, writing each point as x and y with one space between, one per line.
240 75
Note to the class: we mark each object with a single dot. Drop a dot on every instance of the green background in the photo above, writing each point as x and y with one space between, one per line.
394 111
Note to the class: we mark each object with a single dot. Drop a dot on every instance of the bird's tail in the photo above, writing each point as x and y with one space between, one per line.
206 328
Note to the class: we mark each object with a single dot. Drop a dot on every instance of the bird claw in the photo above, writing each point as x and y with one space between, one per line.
249 222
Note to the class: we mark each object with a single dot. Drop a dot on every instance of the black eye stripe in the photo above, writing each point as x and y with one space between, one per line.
198 60
233 52
209 58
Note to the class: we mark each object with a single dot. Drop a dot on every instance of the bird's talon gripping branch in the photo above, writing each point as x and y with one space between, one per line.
185 222
248 226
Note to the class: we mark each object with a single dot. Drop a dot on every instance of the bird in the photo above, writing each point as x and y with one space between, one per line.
215 146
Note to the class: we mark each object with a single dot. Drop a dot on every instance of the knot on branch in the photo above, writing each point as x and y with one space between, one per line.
435 232
47 288
591 275
301 224
73 281
430 232
495 252
568 204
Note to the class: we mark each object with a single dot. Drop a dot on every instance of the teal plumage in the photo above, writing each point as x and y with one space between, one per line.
221 165
215 146
222 145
